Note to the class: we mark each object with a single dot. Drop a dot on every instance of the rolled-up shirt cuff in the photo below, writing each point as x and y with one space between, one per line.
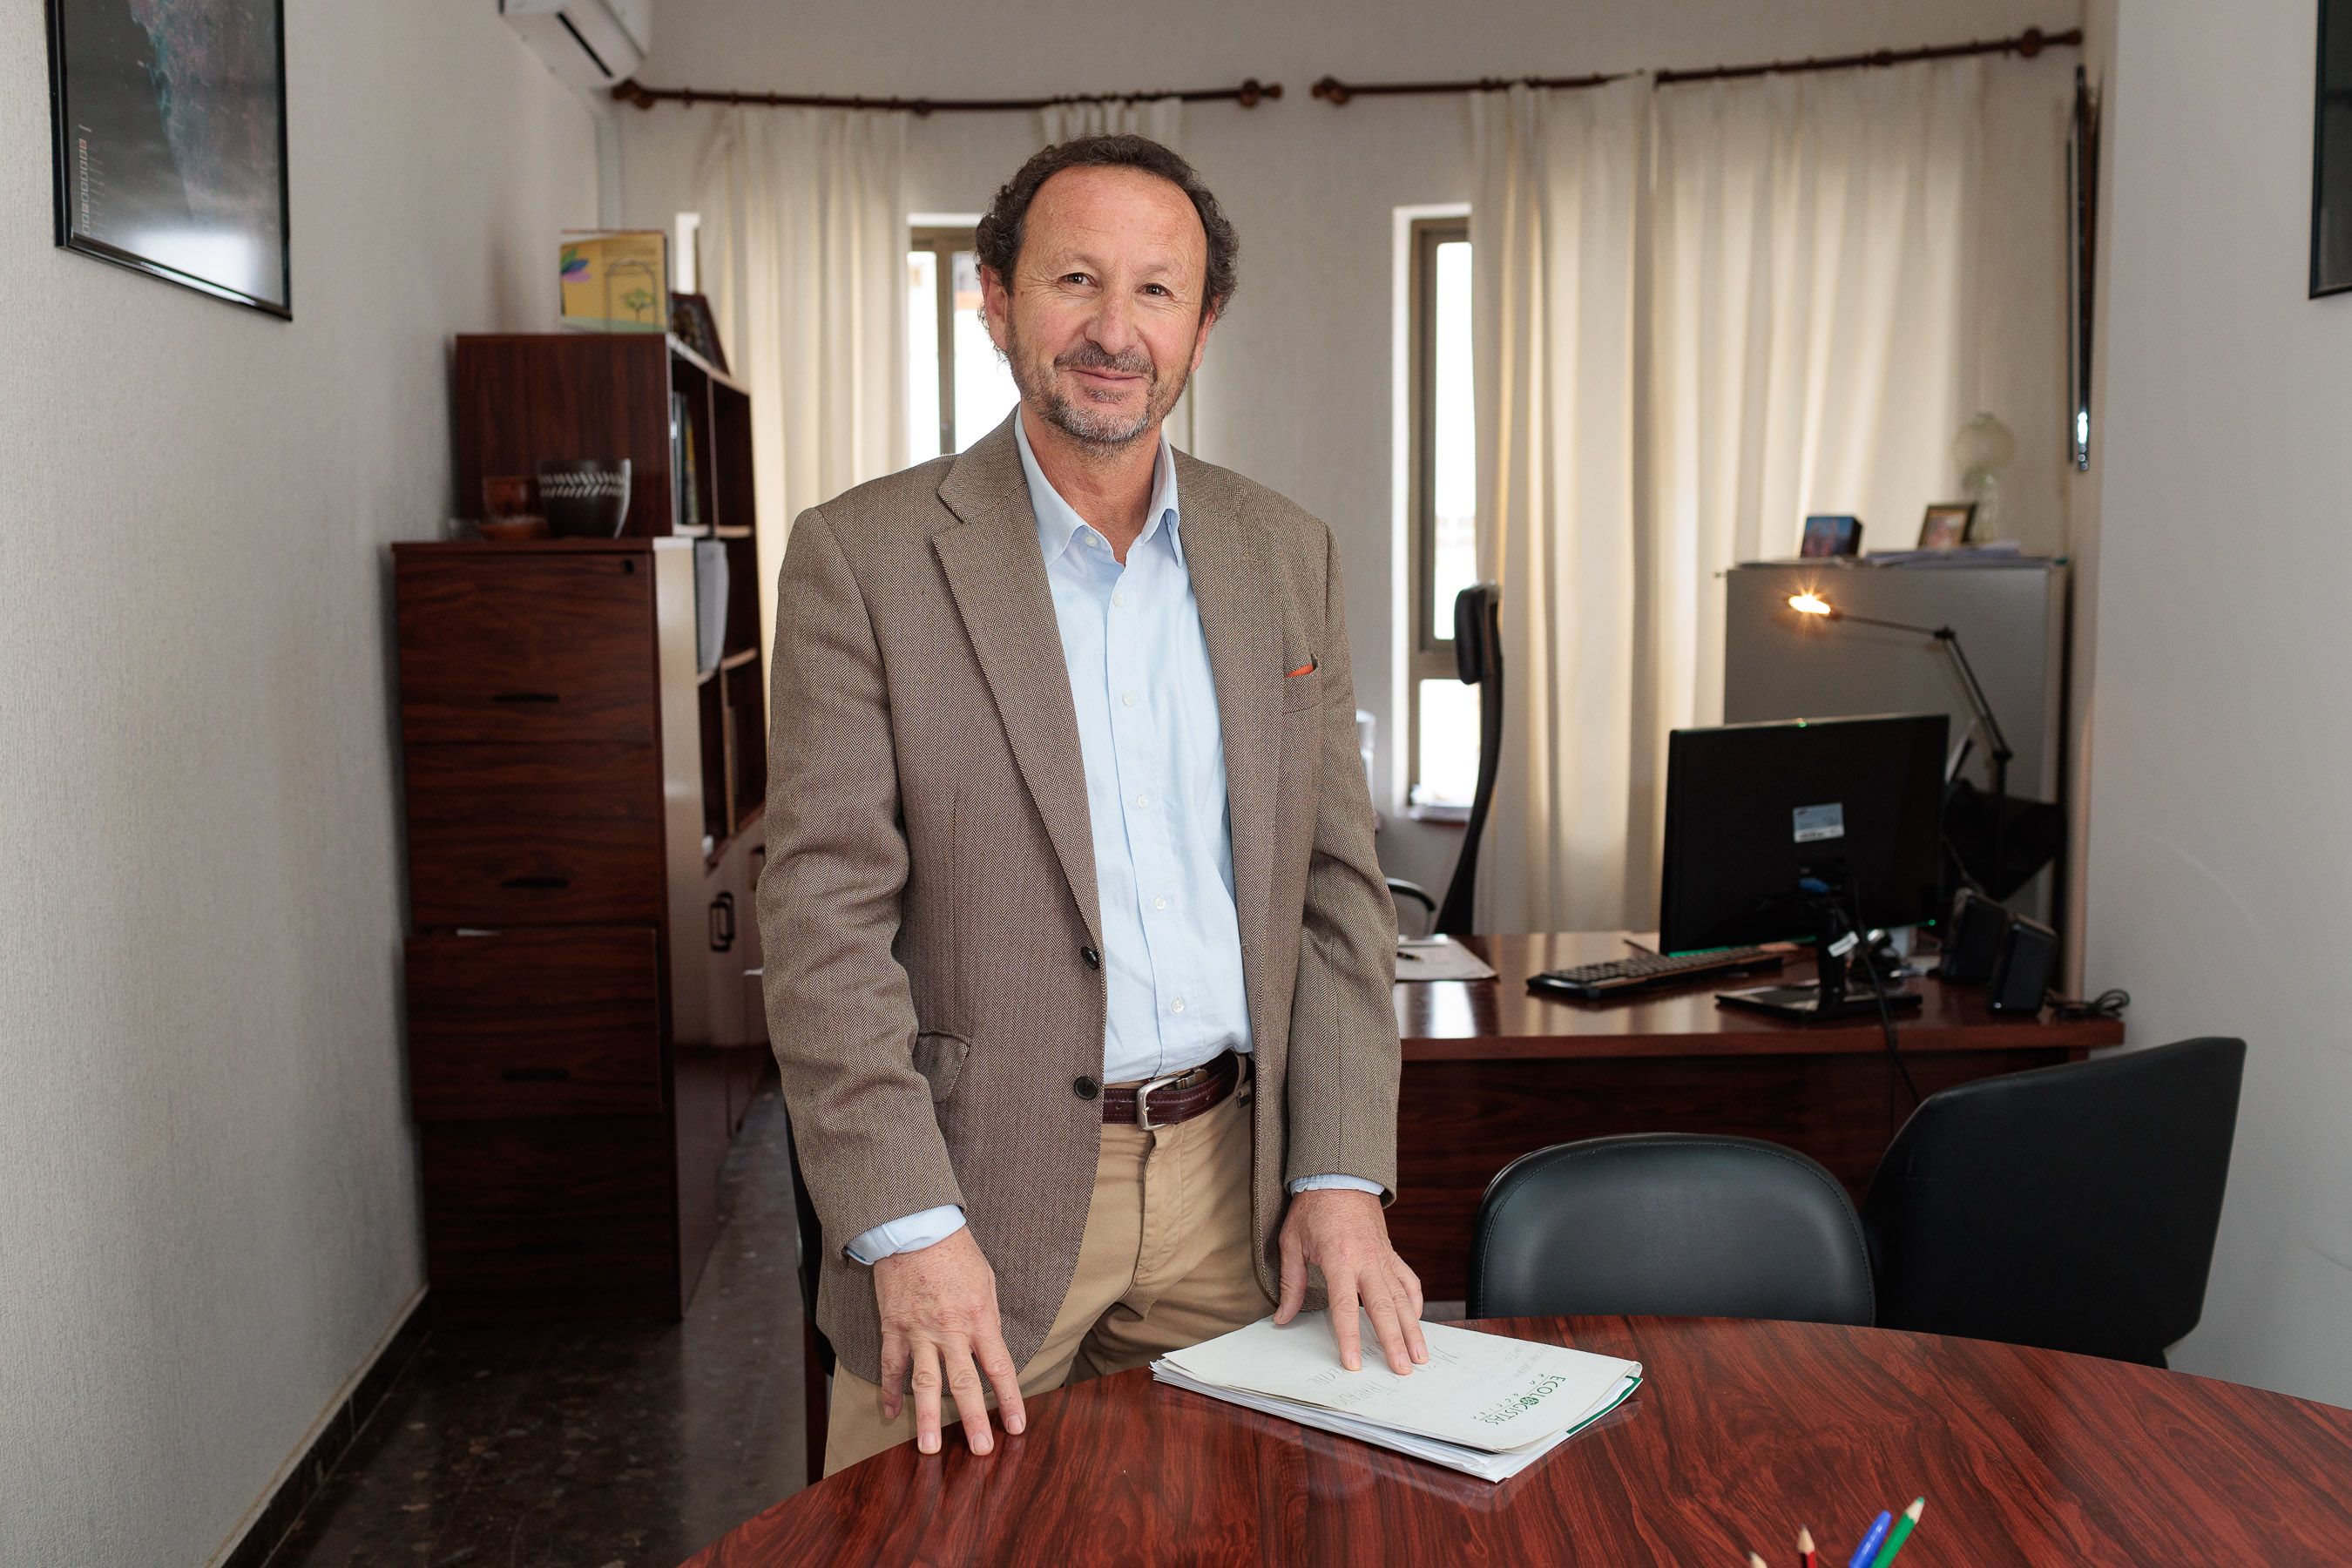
1316 1183
911 1234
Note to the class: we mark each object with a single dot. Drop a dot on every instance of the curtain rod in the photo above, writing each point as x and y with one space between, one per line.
1249 95
2026 43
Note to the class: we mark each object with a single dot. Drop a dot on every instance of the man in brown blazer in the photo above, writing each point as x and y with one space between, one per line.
1080 956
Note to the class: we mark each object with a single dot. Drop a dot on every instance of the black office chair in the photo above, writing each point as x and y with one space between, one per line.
1478 660
2071 1207
816 1351
1671 1223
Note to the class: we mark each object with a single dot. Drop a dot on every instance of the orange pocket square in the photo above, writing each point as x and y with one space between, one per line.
1307 668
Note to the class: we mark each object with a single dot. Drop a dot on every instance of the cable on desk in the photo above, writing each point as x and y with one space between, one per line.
1885 1014
2105 1004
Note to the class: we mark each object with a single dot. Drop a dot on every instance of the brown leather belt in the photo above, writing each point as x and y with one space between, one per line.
1179 1097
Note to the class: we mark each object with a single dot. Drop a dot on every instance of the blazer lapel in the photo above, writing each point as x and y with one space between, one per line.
1241 616
997 577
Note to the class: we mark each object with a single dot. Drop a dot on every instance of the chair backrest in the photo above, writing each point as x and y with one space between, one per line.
1671 1223
2071 1207
1478 660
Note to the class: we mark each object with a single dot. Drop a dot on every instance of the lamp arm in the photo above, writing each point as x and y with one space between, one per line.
2002 755
1950 639
1938 632
2000 747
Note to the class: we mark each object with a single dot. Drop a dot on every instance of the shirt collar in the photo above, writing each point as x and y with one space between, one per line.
1059 523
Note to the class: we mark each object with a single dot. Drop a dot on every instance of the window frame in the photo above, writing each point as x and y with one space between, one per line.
943 241
1430 647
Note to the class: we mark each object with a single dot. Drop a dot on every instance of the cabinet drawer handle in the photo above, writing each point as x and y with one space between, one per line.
536 1075
525 697
536 884
722 923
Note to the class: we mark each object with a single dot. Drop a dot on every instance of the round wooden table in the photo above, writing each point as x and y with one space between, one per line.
1742 1432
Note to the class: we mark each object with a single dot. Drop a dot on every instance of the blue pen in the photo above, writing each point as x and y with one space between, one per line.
1872 1541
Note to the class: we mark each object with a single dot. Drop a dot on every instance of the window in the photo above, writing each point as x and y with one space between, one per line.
1444 713
957 389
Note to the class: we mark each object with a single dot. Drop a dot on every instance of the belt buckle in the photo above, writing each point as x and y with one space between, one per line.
1143 1095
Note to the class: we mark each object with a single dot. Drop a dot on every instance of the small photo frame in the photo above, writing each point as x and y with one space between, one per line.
1827 535
693 324
1946 524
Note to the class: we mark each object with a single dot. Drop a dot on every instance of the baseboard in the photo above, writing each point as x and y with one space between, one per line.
265 1525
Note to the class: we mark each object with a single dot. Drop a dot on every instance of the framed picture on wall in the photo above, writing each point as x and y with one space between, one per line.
168 124
2081 263
2331 153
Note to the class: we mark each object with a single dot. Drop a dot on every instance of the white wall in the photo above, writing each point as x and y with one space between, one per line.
208 1187
2220 840
1295 391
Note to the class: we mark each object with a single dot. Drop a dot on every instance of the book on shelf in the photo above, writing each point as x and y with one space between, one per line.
1486 1404
686 491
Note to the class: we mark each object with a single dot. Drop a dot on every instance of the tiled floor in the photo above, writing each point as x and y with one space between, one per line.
591 1446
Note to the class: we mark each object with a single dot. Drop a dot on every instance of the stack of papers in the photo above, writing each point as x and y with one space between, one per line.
1993 553
1484 1404
1439 958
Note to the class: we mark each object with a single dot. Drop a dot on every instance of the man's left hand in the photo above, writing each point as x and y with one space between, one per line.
1343 1232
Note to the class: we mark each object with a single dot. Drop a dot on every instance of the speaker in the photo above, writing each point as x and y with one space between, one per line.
2022 968
1973 939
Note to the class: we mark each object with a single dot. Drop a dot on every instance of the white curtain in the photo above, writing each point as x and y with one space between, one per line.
1158 118
1702 312
1815 324
804 258
1553 242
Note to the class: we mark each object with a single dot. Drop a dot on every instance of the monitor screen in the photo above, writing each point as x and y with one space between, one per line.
1753 810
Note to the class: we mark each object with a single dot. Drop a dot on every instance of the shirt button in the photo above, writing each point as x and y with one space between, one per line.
1118 601
1160 903
1127 699
1143 803
1094 959
1177 1005
1084 1086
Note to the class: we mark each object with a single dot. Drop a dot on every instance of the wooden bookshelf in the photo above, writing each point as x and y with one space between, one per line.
584 842
525 399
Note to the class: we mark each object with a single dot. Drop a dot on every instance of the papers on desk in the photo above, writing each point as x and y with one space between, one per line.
1438 958
1484 1404
1993 553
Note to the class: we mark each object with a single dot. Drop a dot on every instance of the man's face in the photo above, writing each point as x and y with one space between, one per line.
1101 320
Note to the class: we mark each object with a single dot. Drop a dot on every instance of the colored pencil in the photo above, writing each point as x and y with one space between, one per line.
1805 1555
1871 1541
1901 1533
1756 1560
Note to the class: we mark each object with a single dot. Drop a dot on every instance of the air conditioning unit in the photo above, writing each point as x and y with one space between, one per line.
590 44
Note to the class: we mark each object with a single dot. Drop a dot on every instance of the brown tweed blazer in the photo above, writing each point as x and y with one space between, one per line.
929 891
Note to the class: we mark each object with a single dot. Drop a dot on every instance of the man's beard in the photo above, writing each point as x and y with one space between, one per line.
1104 430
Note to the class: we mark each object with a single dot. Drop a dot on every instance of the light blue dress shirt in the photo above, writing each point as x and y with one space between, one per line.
1155 765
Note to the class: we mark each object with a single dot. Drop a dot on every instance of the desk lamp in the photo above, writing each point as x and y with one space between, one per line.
1811 603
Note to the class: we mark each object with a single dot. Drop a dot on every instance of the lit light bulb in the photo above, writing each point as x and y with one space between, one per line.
1809 603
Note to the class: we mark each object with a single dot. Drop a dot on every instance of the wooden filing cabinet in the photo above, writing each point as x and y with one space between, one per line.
583 1037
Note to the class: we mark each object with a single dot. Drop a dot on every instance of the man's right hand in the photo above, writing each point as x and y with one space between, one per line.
940 1329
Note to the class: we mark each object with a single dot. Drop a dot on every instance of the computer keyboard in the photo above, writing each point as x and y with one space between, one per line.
1645 971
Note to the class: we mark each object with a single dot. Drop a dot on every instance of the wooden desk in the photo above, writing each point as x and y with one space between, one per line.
1742 1432
1492 1072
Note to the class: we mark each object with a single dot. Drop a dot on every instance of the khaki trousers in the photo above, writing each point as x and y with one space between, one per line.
1165 1264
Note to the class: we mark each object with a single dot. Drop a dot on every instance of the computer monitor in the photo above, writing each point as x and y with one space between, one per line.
1754 811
